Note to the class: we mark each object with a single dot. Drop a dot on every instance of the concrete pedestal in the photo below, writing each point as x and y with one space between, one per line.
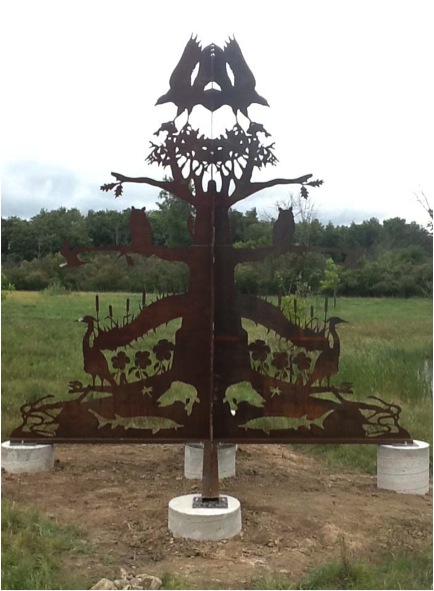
193 460
204 524
23 457
404 468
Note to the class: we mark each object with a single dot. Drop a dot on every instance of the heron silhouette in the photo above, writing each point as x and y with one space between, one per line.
94 362
327 363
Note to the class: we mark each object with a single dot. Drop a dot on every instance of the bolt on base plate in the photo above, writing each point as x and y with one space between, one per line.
218 503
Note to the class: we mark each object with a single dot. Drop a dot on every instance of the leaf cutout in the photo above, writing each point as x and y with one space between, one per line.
316 183
108 187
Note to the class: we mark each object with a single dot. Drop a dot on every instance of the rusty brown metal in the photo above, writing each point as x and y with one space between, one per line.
210 478
212 382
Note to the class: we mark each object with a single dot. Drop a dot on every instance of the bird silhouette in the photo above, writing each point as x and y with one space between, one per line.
140 229
244 92
327 363
180 92
283 230
94 361
213 64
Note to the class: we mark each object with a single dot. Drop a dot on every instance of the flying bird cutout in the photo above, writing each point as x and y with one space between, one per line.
214 65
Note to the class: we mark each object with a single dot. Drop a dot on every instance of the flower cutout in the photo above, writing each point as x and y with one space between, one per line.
141 359
302 361
260 350
120 360
281 363
163 350
280 360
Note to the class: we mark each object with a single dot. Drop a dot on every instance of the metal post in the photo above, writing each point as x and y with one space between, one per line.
210 478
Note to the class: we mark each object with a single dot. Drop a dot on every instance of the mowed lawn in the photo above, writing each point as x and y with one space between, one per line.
386 351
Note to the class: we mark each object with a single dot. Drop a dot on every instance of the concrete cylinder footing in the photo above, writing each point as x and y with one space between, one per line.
404 468
26 457
193 460
204 524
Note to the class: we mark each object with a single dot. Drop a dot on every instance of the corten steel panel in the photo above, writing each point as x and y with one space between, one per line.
293 389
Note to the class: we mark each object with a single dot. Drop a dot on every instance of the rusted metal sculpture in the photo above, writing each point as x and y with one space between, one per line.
210 384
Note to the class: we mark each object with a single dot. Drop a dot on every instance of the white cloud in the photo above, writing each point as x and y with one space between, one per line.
349 86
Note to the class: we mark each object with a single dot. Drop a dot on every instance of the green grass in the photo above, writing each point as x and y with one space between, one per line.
400 570
172 581
33 551
42 344
397 570
386 351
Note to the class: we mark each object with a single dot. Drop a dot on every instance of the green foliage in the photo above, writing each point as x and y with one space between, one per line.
330 282
107 227
299 275
53 228
296 309
396 261
171 581
400 273
33 547
248 279
6 284
170 221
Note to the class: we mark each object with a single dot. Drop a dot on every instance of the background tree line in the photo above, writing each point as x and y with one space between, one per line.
394 257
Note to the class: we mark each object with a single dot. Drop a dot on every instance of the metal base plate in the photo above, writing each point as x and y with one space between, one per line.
201 503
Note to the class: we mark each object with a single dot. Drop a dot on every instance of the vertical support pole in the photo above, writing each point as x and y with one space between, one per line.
210 477
210 472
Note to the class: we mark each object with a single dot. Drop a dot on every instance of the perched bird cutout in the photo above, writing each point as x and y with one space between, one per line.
140 229
214 65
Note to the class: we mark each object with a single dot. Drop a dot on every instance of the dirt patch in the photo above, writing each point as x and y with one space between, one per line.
294 512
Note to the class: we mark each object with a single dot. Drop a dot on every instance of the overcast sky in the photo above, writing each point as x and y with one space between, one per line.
349 83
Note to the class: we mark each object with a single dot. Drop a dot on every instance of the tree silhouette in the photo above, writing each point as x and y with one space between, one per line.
184 398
